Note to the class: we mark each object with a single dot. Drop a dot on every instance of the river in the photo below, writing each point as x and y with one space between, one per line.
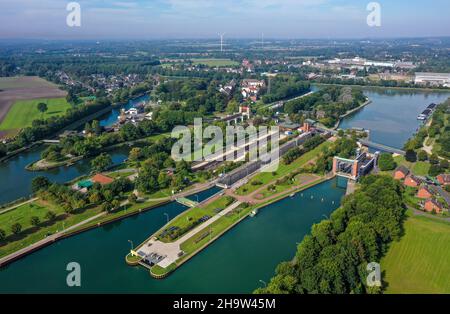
15 180
233 264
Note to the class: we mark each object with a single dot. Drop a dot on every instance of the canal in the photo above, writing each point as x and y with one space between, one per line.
392 115
15 180
233 264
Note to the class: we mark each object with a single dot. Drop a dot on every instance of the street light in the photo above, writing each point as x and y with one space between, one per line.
131 242
325 216
167 215
263 282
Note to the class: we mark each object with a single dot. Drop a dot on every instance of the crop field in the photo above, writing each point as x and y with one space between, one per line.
215 62
23 112
13 89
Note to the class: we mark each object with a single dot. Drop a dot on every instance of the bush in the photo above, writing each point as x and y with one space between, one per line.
386 162
411 155
422 155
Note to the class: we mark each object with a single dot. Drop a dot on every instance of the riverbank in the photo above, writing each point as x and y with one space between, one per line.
367 102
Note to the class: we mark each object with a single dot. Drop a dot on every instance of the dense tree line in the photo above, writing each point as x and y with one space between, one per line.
333 101
296 152
285 86
334 257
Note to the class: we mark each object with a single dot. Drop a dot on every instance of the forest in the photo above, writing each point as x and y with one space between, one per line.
334 257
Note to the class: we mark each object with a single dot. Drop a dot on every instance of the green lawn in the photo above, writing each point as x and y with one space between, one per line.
31 234
217 227
215 62
419 168
186 221
283 170
420 261
23 112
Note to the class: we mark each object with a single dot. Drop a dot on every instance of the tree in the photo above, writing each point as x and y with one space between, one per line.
444 164
39 183
135 154
42 107
101 162
16 228
386 162
422 155
107 207
434 159
435 170
411 155
132 198
2 235
50 215
35 221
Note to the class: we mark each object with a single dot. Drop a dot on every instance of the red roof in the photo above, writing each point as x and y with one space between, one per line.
102 179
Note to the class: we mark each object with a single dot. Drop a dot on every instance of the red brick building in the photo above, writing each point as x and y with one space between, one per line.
424 192
433 205
401 173
412 181
443 179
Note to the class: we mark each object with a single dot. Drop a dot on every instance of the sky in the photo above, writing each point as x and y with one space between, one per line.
161 19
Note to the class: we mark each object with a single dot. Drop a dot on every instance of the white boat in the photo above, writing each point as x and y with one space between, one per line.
254 213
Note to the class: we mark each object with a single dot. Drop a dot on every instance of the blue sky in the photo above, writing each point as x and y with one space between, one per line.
150 19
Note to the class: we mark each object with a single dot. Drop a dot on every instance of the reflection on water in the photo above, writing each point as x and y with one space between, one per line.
233 264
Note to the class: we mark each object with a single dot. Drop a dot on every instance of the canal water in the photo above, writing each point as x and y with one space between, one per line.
392 115
233 264
15 180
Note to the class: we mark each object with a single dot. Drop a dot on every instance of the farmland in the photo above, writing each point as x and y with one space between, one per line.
13 89
23 112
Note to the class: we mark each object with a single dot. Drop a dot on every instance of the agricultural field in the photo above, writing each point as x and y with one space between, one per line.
24 112
215 62
420 261
13 89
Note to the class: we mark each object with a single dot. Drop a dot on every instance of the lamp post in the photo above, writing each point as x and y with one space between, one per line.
263 282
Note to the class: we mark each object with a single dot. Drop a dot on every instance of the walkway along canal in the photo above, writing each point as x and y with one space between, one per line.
232 264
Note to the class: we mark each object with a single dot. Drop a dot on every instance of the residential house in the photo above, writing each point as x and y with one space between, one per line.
401 173
412 181
443 179
424 192
431 205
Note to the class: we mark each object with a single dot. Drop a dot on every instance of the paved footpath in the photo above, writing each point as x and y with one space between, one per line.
45 241
172 250
17 205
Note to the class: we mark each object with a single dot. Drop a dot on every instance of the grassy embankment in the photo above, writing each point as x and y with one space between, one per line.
264 178
420 261
31 234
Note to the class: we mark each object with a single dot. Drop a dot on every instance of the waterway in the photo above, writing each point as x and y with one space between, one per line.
392 115
233 264
15 180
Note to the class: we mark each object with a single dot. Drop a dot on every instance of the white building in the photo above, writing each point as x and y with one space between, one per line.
432 78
